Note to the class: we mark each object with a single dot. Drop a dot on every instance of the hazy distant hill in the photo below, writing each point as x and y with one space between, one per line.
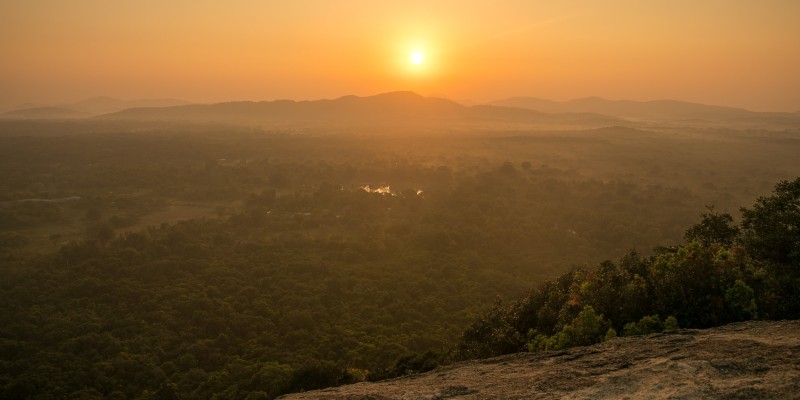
395 107
105 105
15 107
657 110
44 113
85 108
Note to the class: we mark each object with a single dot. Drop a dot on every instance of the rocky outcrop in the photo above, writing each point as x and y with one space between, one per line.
746 360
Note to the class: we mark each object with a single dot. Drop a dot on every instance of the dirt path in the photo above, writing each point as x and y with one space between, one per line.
739 361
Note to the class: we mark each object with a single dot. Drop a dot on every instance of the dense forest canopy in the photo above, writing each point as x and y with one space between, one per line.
200 261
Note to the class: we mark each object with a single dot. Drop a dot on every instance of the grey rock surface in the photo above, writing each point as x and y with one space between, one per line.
749 360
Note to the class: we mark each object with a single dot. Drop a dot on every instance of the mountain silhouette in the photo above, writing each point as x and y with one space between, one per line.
104 104
46 112
656 110
395 107
401 109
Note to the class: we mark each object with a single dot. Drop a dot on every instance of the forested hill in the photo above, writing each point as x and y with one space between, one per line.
725 273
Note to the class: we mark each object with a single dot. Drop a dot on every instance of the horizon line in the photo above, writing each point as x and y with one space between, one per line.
464 102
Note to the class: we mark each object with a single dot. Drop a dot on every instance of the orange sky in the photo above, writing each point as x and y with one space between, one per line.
729 52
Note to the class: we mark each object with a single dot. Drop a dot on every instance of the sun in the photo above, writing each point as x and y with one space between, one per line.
417 57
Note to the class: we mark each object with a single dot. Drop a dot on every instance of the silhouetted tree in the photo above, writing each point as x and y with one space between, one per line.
713 228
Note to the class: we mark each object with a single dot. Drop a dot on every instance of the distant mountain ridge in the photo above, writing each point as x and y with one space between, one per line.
654 110
85 108
105 104
392 107
409 108
46 112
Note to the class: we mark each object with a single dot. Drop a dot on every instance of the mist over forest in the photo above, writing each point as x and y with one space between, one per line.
247 250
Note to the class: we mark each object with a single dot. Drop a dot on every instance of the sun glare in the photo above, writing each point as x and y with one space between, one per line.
417 57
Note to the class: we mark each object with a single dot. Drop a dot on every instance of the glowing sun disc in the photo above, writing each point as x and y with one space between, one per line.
417 57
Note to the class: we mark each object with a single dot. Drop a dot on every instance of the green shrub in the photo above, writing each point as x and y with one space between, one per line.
648 324
671 324
587 328
740 299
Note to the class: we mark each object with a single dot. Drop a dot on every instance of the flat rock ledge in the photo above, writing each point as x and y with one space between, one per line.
748 360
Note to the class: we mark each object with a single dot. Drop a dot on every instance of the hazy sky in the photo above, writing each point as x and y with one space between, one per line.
730 52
